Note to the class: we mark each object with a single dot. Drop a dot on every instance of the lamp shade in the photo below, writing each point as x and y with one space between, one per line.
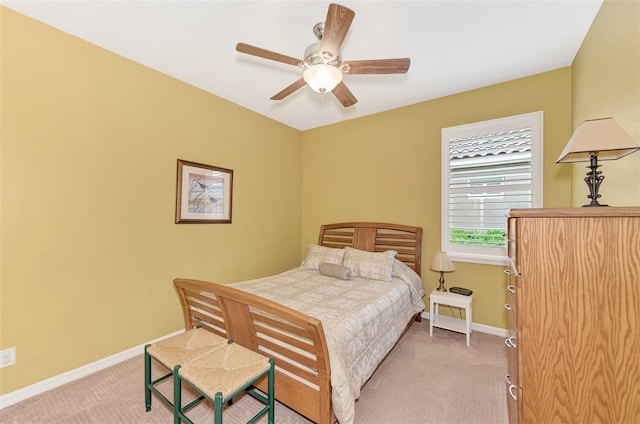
604 137
322 78
442 263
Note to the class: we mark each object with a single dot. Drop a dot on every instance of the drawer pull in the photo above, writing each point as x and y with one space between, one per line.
507 307
508 379
510 342
507 271
511 289
512 393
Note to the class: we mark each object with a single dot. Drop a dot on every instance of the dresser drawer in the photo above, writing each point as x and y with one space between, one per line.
512 380
512 286
512 304
511 343
512 403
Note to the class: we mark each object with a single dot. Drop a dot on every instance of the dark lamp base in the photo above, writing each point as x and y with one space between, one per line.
593 179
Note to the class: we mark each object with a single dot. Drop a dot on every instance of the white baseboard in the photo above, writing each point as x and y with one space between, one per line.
481 328
69 376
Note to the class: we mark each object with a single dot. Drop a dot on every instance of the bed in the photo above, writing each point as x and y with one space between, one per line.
327 334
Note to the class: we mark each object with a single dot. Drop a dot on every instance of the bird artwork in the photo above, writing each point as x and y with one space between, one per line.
204 194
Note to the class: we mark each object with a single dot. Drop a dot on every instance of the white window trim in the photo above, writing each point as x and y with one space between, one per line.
490 255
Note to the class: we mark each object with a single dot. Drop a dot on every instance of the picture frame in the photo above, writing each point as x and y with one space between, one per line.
203 194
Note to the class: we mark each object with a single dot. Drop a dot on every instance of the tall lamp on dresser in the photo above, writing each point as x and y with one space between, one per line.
595 139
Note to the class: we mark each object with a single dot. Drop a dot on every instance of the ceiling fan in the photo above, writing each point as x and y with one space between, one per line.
322 65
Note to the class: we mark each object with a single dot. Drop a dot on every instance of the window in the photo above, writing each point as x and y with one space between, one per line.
488 168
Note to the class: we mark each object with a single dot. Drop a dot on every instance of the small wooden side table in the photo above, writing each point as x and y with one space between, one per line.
437 298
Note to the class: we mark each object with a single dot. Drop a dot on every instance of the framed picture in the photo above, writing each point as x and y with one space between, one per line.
203 194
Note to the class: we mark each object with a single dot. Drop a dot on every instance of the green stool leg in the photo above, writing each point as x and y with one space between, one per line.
218 408
147 378
177 395
271 386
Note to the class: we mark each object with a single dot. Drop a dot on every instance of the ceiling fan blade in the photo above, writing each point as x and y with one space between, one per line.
290 89
267 54
381 66
344 95
336 26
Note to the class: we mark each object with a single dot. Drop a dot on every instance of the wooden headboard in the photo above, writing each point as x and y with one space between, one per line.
376 237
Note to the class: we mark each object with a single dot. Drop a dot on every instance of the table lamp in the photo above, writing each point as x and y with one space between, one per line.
442 264
597 139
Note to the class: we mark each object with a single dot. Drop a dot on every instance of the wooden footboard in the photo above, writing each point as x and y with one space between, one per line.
295 340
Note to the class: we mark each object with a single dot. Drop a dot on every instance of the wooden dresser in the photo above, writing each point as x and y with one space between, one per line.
574 315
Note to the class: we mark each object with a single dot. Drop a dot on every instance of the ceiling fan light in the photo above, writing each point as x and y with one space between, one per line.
322 78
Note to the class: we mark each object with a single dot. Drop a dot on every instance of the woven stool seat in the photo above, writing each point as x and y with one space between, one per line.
185 347
225 370
223 373
175 351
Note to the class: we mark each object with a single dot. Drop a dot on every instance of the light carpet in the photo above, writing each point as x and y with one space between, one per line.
425 380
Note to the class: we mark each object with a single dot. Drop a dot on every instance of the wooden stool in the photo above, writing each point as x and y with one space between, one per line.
222 374
175 351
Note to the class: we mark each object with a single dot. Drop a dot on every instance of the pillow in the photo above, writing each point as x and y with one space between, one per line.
376 266
317 255
334 270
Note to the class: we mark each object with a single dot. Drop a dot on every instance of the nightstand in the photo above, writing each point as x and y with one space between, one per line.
436 299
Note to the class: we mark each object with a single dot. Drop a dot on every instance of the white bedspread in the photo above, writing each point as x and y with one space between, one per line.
362 320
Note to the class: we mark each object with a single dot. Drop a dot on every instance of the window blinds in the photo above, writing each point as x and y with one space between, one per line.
488 175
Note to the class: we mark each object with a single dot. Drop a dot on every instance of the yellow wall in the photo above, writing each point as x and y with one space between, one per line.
386 167
89 246
606 82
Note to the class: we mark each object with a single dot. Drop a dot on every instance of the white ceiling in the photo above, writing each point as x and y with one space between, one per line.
454 45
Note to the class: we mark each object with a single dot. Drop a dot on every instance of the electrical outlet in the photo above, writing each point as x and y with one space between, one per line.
7 357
